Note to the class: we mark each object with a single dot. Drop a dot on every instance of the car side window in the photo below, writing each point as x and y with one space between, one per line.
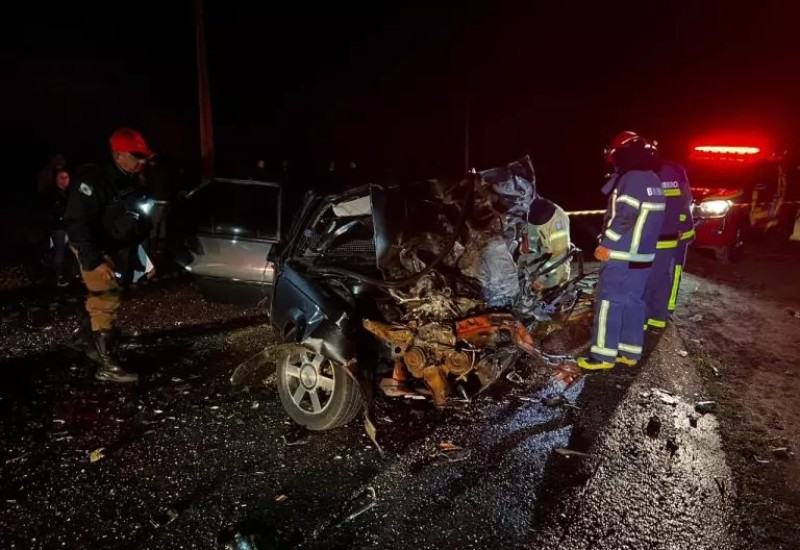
238 209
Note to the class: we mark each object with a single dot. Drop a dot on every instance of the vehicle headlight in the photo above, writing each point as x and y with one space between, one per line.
715 208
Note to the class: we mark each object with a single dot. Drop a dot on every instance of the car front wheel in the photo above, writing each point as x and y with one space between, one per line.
316 392
735 251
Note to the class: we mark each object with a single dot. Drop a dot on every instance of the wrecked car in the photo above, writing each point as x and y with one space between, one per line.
412 290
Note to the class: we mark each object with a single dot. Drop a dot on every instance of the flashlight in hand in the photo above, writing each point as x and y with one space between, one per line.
145 206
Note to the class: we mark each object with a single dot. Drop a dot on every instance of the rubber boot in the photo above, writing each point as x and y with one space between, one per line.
590 363
109 370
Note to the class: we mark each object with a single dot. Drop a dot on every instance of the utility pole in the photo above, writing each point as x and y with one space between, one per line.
204 97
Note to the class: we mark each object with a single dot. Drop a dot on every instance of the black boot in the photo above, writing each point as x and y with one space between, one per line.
82 339
109 370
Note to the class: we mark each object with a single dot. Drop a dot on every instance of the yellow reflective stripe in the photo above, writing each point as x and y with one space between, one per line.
666 244
628 257
630 349
613 235
559 234
656 323
676 282
654 205
637 230
601 323
616 255
604 351
682 217
627 199
672 192
613 208
688 235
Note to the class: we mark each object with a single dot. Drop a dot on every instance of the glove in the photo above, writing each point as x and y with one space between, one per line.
602 253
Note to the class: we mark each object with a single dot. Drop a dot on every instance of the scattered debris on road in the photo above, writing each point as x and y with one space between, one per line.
569 453
372 498
20 458
761 460
447 446
96 455
554 400
162 520
452 452
281 498
653 427
720 485
666 397
672 446
683 353
705 407
240 542
781 453
296 438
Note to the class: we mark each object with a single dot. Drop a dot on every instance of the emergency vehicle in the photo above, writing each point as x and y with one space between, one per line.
740 192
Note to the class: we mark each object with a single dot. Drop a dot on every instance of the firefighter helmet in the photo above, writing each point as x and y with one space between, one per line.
623 140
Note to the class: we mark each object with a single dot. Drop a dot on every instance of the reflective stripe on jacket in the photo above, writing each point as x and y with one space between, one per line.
634 216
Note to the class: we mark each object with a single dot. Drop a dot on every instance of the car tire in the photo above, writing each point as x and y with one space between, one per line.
316 392
734 252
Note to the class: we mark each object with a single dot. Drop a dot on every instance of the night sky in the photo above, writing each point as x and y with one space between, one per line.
388 86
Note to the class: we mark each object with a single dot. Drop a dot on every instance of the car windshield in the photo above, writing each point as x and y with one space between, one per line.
728 176
721 177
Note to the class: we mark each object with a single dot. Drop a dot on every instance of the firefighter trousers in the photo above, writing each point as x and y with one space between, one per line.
619 311
661 293
102 302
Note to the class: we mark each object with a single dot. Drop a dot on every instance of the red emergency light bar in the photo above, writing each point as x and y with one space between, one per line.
726 150
727 154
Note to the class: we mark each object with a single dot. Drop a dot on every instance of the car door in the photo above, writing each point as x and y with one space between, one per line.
235 225
768 183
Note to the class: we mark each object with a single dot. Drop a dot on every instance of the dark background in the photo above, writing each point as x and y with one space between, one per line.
388 84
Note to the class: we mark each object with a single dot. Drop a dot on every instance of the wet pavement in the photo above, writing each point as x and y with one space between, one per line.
183 460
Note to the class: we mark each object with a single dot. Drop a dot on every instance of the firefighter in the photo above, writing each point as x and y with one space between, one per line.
676 233
106 221
547 233
627 249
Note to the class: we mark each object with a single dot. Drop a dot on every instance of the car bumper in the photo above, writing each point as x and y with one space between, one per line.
714 233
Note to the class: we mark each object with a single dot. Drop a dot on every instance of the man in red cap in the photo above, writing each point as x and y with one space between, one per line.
106 220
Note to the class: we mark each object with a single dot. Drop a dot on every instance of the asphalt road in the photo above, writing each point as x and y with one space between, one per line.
184 460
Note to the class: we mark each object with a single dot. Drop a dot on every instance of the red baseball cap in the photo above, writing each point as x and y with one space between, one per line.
126 140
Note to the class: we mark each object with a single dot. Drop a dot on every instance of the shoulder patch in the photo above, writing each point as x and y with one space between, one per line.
85 189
